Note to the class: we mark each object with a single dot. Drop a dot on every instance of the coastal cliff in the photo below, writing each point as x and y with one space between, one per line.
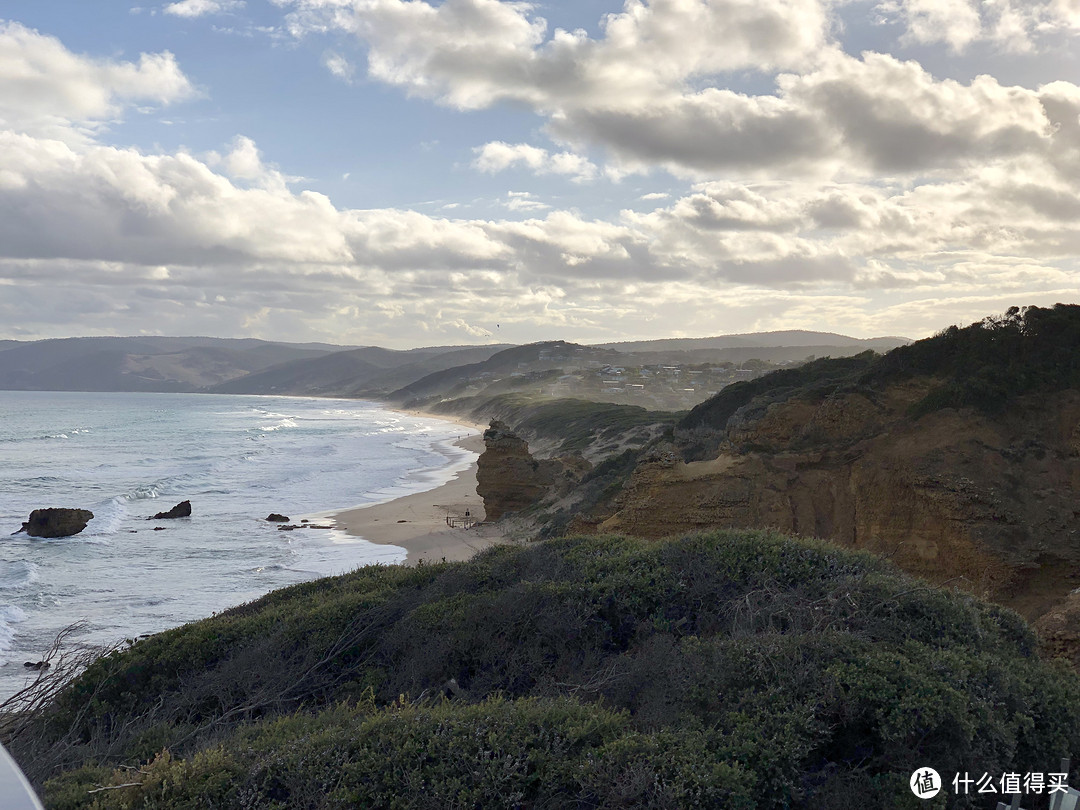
957 457
989 503
510 479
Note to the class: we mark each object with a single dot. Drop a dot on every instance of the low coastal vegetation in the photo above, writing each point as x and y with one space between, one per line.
567 425
983 366
727 669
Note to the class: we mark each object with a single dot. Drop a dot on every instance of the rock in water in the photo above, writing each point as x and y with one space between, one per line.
60 522
274 517
182 509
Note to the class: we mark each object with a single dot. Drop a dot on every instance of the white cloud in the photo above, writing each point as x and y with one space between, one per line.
646 88
199 8
1013 25
955 22
473 53
244 162
900 188
44 87
131 225
498 156
339 66
523 201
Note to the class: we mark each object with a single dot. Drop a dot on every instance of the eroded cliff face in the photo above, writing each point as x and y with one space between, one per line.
509 479
990 504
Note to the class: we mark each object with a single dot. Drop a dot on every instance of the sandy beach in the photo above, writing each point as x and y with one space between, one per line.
417 522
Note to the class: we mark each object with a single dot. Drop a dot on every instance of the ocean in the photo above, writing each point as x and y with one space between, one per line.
127 456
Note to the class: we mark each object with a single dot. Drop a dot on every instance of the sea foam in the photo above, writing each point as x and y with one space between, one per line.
138 454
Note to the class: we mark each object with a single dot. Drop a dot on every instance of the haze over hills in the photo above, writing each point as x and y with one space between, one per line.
251 366
369 371
789 337
141 363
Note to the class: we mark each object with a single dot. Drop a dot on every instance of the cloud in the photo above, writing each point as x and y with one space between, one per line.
899 188
339 66
523 201
118 225
893 116
45 88
473 53
200 8
646 89
1014 25
244 162
498 156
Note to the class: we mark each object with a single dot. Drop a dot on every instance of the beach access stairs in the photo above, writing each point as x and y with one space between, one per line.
461 521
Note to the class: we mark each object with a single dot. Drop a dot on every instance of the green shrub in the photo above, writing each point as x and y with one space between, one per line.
610 671
984 366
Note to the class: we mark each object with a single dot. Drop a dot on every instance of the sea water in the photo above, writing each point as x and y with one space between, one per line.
127 456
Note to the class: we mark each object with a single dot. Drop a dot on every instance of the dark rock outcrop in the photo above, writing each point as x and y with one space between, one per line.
58 522
274 517
182 509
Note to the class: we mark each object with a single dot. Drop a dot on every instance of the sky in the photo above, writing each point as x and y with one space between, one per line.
408 173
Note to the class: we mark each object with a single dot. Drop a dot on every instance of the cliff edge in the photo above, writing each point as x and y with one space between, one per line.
957 457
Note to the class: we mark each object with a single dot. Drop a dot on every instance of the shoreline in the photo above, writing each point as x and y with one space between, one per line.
417 522
442 417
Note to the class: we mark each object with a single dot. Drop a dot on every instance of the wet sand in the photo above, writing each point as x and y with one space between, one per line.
417 522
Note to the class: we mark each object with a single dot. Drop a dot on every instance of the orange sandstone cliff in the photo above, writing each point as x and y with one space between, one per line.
510 479
957 457
990 504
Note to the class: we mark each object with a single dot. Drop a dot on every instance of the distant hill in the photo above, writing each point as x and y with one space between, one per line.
792 338
142 363
251 366
368 371
562 369
533 356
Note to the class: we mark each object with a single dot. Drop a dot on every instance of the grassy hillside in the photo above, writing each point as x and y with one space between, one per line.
741 670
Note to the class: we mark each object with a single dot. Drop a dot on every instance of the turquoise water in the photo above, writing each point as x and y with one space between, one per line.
236 458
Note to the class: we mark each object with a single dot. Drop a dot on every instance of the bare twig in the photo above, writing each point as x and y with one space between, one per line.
115 787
